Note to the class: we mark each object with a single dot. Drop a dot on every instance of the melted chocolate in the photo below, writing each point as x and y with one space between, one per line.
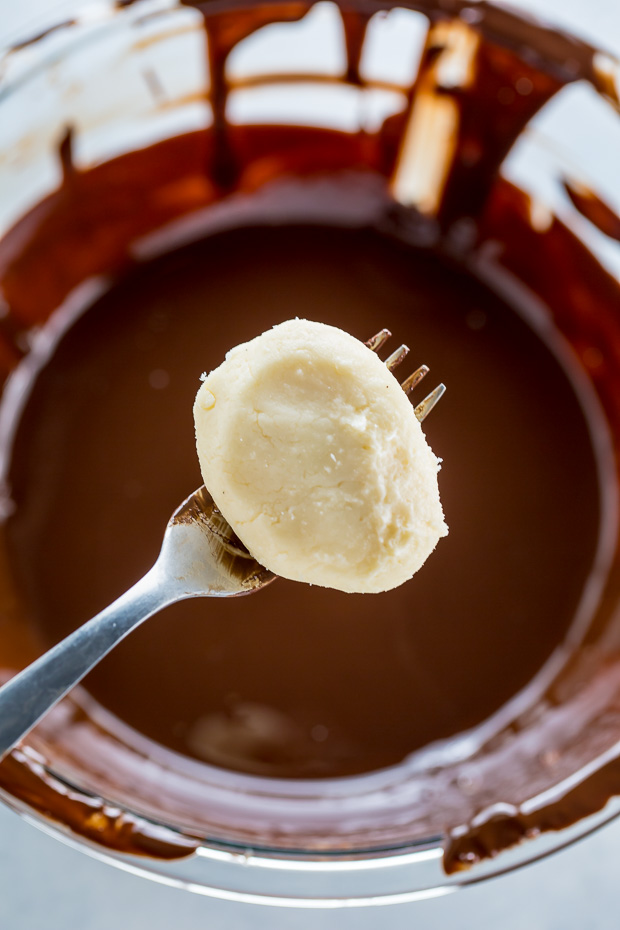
248 682
301 683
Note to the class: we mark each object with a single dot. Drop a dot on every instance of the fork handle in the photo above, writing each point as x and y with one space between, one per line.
30 694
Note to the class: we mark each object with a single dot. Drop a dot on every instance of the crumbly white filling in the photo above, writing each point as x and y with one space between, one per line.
314 455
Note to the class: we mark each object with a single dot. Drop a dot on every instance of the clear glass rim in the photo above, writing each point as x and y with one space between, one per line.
387 879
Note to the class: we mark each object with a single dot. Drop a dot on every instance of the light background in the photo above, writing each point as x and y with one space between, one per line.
45 885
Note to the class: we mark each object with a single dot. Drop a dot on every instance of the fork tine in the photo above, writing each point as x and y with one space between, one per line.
375 342
396 357
414 379
424 407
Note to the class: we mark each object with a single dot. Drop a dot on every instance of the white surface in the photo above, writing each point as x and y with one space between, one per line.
47 886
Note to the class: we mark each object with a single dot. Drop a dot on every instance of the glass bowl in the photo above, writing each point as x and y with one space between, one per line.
121 77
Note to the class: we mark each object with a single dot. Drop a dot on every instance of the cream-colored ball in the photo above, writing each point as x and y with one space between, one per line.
313 453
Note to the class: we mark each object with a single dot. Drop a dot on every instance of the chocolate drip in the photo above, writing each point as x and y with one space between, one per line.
594 209
355 26
32 40
65 155
25 777
504 95
494 832
224 33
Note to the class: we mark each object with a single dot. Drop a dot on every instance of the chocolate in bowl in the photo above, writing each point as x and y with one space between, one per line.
476 704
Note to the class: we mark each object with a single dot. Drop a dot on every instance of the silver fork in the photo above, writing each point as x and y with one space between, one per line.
200 557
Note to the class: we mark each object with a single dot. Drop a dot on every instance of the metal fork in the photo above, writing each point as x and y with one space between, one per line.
200 557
